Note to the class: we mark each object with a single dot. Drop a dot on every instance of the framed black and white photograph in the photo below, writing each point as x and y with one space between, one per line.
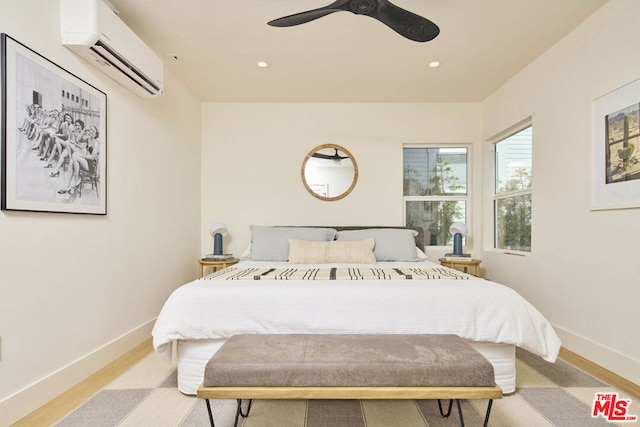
616 149
53 136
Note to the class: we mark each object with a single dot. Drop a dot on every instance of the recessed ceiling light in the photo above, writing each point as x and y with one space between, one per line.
434 64
262 64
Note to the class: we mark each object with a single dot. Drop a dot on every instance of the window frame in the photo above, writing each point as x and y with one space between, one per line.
464 198
495 196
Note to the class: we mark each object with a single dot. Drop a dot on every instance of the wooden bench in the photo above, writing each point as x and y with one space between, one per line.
317 366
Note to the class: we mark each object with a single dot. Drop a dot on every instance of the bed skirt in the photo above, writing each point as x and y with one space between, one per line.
193 355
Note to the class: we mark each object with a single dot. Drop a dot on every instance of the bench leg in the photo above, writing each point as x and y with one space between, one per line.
210 413
486 417
460 413
448 411
239 412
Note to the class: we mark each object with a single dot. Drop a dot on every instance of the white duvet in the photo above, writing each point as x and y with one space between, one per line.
475 309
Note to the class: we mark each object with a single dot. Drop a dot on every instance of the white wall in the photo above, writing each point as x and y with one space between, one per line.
252 156
584 269
77 291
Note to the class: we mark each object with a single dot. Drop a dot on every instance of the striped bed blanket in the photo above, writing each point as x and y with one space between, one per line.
333 273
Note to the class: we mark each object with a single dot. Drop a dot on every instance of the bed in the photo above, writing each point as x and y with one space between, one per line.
346 280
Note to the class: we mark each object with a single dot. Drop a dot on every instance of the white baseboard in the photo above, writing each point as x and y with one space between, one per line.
20 404
608 358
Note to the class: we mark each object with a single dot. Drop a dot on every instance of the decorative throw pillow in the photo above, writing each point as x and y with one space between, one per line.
272 243
392 244
355 252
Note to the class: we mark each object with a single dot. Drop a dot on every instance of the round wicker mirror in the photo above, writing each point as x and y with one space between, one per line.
329 172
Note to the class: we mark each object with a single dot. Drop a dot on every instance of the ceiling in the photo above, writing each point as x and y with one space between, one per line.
344 57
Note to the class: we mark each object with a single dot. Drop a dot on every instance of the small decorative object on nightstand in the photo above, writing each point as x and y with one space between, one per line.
462 263
216 264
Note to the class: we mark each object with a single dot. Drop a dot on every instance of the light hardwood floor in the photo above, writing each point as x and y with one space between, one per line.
57 408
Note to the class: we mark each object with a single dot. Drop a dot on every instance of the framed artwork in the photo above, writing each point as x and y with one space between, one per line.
54 147
616 149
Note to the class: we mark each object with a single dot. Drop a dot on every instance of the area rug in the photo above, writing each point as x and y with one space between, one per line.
547 394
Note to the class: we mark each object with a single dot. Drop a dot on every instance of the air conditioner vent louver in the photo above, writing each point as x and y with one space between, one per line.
112 58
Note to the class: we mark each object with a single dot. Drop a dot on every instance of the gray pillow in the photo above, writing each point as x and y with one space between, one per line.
391 244
272 243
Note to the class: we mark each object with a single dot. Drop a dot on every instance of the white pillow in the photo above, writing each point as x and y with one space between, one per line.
247 253
355 252
392 244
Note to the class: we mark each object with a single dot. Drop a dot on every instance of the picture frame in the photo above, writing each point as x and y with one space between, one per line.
615 171
54 139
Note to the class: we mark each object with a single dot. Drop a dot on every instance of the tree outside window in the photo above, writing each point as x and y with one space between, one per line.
512 199
435 190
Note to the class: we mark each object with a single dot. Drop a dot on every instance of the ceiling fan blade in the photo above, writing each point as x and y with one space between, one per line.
407 24
321 156
335 156
310 15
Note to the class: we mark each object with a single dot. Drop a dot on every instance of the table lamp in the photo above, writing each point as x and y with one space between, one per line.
458 230
217 230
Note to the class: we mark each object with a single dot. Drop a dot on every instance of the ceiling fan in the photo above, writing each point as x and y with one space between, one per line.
335 157
403 22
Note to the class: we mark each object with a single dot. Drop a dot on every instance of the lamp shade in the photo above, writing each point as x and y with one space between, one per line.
458 228
218 227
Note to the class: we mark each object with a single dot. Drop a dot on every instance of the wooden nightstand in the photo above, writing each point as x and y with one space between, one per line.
215 265
464 265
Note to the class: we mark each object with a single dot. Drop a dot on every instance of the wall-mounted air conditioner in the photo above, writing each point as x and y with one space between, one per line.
92 30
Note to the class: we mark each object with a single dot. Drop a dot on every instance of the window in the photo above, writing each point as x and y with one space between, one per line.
435 190
512 198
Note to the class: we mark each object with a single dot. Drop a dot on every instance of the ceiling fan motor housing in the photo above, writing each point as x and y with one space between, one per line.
363 7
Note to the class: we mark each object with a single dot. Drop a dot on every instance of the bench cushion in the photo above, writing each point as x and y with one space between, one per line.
356 360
